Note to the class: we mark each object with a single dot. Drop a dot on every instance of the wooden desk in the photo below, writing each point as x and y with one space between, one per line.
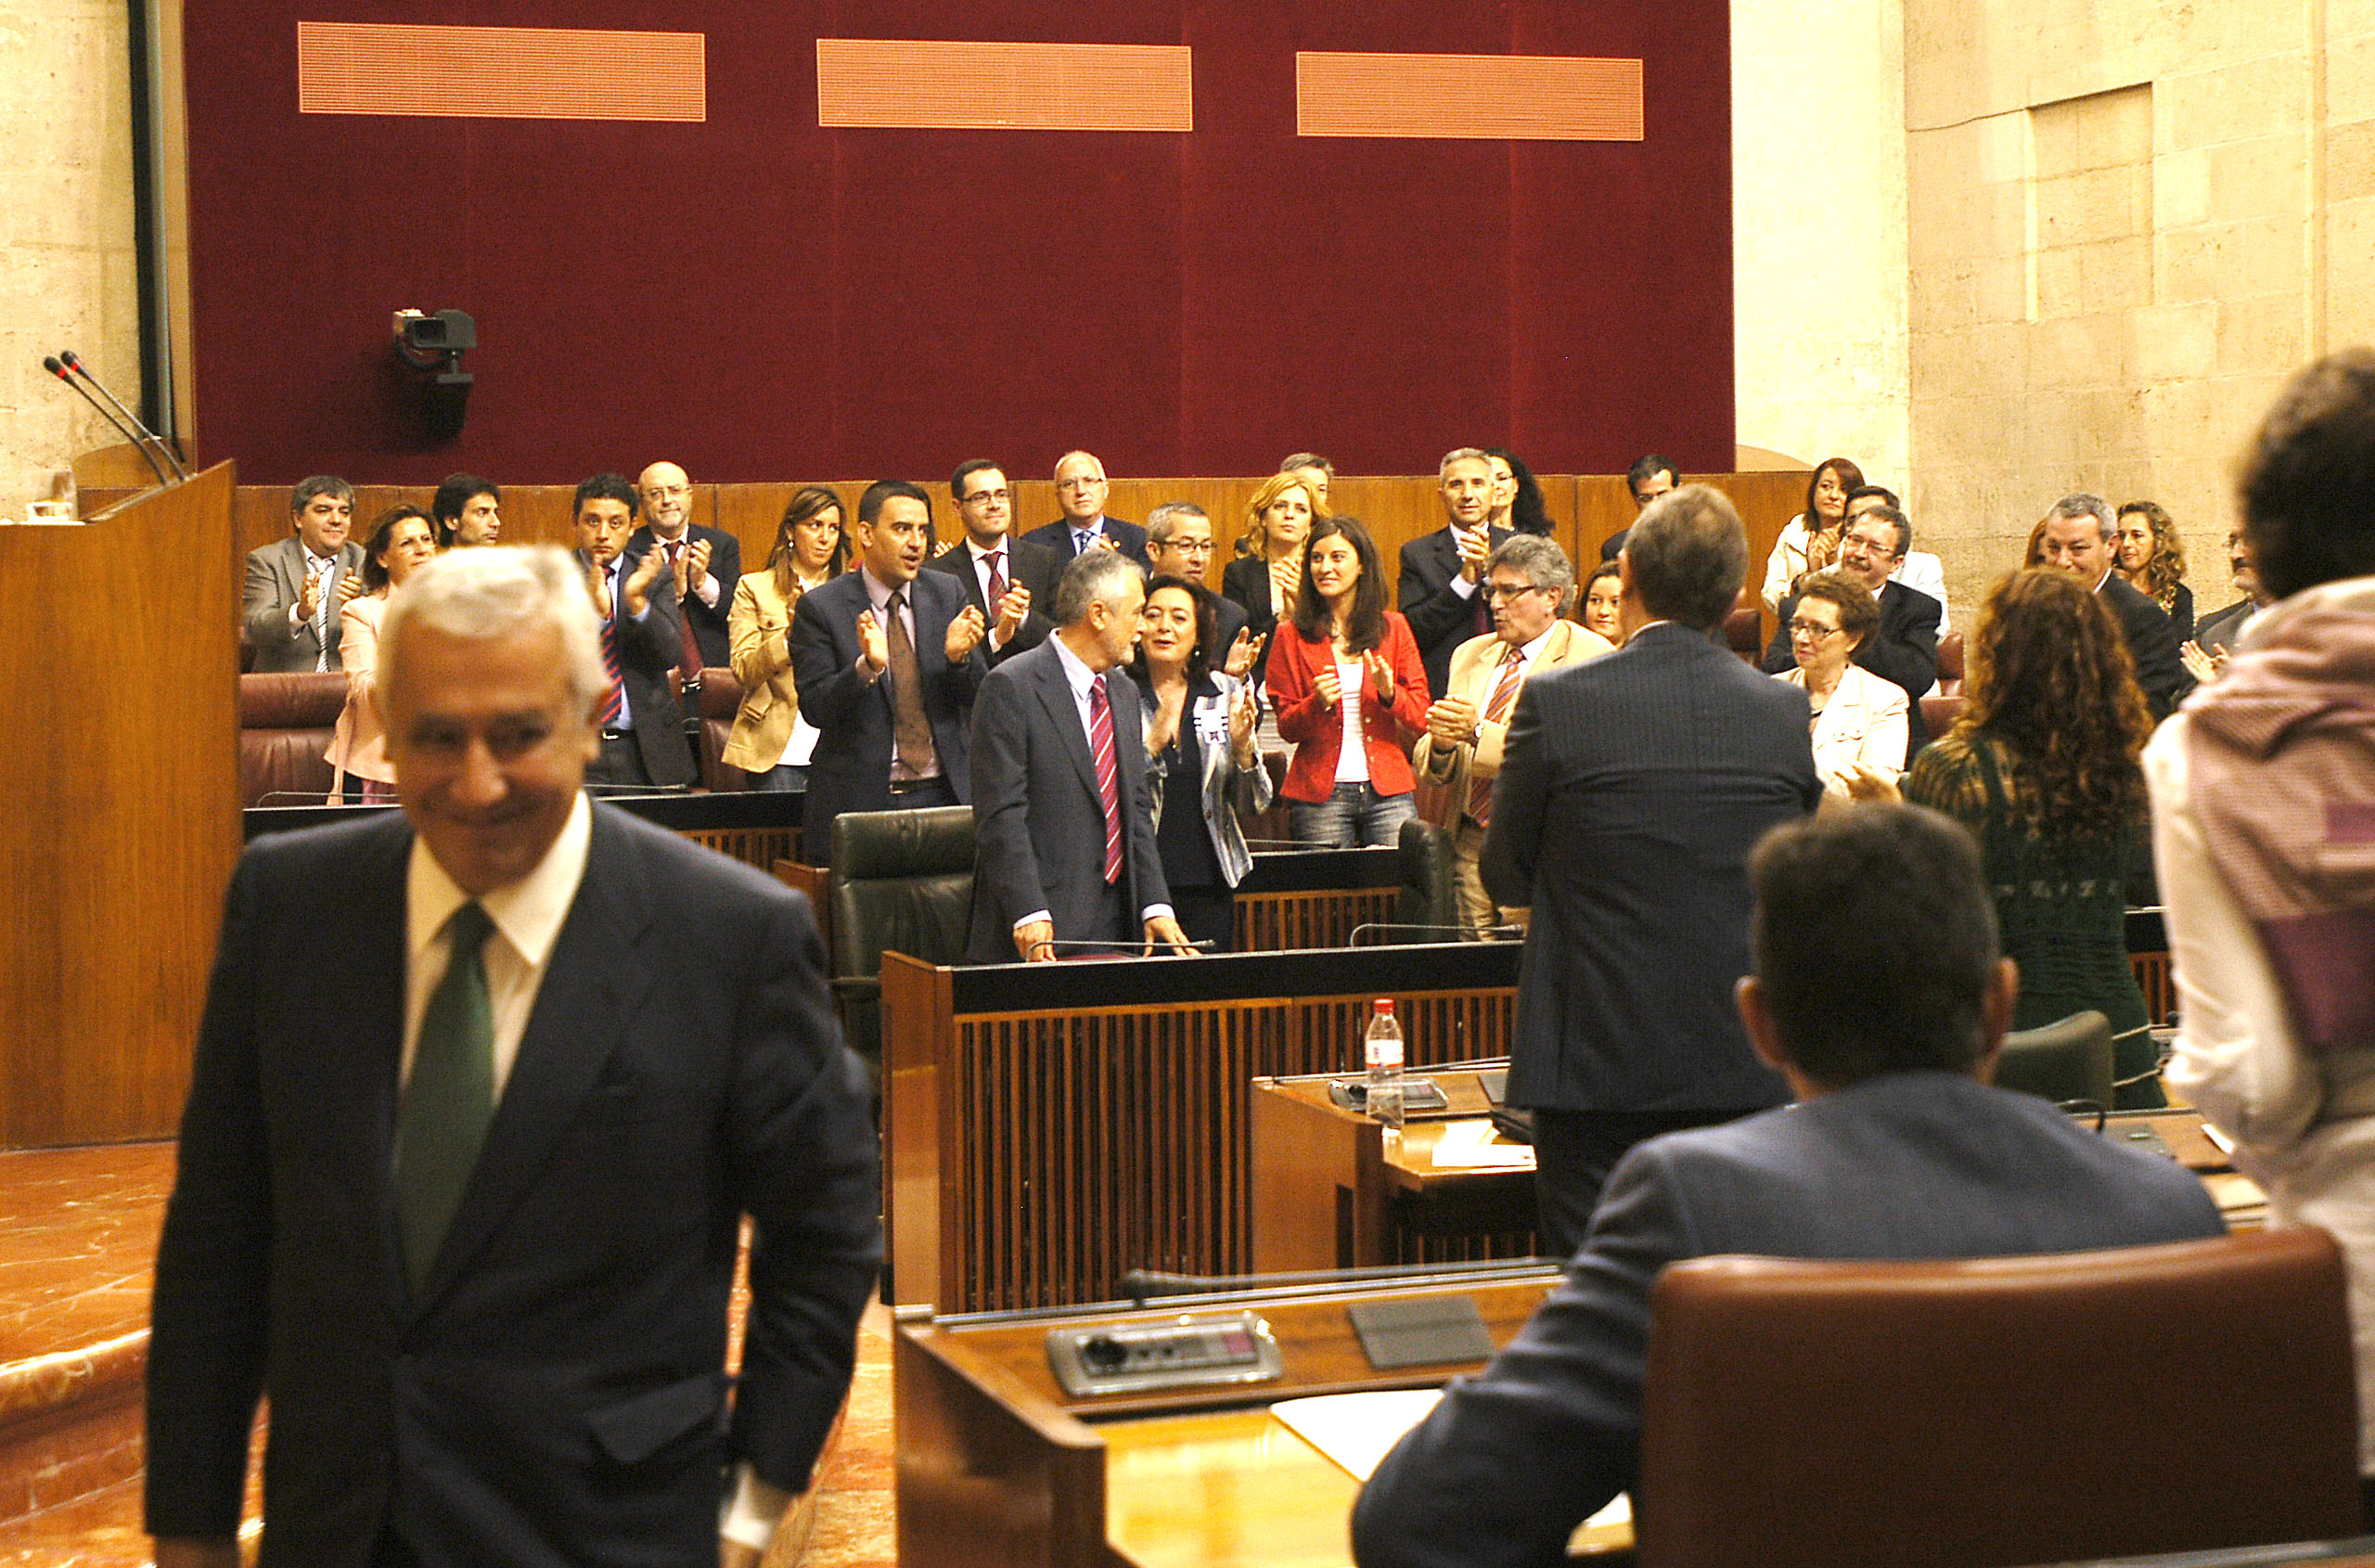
1328 1192
999 1467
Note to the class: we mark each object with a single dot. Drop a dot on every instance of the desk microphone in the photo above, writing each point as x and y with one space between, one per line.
74 363
1143 1284
1128 948
51 364
1499 933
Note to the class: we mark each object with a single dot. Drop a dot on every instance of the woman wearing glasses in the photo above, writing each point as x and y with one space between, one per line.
1860 720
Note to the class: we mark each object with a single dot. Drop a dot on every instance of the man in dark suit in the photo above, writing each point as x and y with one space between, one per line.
641 724
1436 588
1650 477
467 1200
1179 544
1879 993
703 563
1080 488
296 587
467 510
1010 581
1631 789
2216 634
2079 533
1064 818
1904 646
886 660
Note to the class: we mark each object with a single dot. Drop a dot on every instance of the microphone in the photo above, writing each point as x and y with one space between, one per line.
51 364
1495 934
1126 948
74 363
1142 1285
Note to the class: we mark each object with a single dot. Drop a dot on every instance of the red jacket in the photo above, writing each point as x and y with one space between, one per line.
1317 729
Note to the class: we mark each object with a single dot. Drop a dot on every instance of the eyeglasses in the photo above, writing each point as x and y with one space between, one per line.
1808 629
1508 590
981 495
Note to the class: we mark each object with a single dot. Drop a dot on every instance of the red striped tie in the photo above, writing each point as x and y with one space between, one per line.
614 696
998 582
1109 776
1505 697
691 663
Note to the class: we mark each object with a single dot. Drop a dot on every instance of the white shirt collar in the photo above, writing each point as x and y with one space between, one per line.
1077 674
980 554
1532 651
529 913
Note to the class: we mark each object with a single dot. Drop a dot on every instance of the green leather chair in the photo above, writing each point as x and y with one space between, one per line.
2067 1060
903 881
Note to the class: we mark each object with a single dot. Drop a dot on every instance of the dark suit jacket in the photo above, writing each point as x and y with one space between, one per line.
1613 545
1128 537
1631 790
2221 627
1033 567
725 568
1906 1165
1903 648
2152 642
555 1393
1039 823
276 582
1229 619
649 649
1439 618
1245 583
851 769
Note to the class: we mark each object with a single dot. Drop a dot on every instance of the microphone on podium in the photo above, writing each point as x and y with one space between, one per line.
51 364
73 362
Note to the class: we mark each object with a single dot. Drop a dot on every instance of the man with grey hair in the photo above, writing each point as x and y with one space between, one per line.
1179 544
1065 858
1528 581
1437 589
1080 488
1314 470
1631 790
468 1200
2078 534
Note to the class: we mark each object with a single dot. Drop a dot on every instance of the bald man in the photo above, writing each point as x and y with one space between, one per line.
707 561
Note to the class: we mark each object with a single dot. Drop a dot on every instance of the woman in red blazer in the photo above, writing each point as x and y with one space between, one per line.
1347 663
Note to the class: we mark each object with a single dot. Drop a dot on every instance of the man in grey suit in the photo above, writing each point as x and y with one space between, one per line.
1631 789
1879 995
297 587
1063 816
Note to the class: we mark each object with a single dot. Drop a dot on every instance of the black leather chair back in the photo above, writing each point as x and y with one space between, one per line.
1428 897
901 881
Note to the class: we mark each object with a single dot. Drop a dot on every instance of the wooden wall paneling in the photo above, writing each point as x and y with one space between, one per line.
917 1124
126 819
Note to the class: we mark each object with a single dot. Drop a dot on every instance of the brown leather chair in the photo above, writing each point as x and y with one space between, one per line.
286 721
1950 664
1744 628
721 700
2192 1397
1939 713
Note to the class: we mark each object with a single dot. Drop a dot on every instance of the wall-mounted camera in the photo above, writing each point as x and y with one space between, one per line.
435 341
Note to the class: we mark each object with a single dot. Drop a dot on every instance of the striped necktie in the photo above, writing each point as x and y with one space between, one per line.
1108 774
614 696
1505 697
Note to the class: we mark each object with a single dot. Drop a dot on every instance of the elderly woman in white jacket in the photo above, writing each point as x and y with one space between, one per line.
1201 757
1860 720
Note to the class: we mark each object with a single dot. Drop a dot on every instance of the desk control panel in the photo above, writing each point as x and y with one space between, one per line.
1190 1351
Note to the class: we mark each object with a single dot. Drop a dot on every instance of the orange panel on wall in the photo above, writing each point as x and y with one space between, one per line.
1516 97
500 72
911 83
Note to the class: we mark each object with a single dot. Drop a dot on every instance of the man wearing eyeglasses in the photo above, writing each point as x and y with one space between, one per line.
707 563
1527 581
1904 647
1010 581
1080 488
1179 544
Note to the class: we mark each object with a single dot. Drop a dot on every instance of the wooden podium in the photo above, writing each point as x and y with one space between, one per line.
118 695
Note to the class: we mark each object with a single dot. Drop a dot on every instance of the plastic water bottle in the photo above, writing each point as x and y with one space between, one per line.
1381 1049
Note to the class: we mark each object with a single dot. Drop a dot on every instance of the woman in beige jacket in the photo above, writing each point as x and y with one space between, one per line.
770 742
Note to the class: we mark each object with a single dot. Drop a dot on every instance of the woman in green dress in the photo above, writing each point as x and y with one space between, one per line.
2042 767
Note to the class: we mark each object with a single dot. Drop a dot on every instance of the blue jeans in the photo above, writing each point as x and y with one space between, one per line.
1354 817
780 779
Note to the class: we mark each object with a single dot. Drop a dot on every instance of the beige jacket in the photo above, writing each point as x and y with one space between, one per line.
758 629
1475 665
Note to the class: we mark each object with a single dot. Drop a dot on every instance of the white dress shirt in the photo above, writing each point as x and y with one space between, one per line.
1080 678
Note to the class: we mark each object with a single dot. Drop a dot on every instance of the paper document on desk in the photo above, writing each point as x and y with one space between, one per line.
1469 1146
1355 1429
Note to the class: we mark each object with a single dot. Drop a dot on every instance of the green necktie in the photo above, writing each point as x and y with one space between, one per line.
449 1102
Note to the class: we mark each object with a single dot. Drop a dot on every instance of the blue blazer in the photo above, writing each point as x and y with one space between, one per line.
555 1392
1039 823
1127 537
1905 1165
851 769
1632 788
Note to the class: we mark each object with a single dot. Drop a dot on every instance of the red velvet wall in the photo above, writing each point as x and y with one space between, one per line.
759 298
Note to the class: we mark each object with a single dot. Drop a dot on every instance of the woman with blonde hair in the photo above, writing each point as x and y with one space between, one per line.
2043 767
2150 556
1266 578
770 741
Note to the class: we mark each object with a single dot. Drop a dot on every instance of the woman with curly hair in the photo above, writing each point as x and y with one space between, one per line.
2152 559
2043 768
